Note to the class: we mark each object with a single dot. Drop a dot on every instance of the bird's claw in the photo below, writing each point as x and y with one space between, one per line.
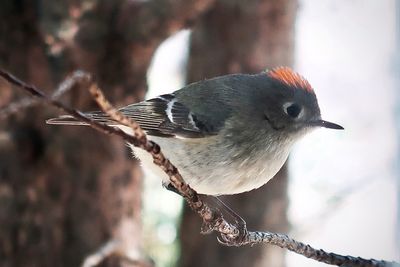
234 240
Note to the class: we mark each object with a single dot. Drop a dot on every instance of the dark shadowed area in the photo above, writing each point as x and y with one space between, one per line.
65 191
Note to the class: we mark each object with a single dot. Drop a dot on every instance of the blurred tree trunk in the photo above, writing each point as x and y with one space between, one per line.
248 37
65 191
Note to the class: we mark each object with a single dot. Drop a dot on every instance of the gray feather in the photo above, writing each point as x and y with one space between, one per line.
197 110
158 116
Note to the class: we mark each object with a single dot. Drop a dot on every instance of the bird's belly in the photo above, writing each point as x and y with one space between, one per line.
212 175
236 178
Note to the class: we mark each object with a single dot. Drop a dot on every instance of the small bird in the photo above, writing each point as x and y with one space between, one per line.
228 134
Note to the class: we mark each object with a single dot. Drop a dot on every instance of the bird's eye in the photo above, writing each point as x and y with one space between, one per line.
292 109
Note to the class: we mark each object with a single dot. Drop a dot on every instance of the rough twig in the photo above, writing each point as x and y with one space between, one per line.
229 233
320 255
62 88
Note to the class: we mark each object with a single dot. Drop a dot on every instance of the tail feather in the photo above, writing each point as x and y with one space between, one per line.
65 120
70 120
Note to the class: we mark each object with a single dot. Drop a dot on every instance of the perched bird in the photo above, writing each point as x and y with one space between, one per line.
229 134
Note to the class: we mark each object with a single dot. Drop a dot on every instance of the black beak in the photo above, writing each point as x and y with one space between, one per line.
326 124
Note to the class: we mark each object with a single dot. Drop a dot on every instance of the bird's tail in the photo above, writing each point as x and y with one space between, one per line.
70 120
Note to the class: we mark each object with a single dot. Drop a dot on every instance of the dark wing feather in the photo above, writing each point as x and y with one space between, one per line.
161 116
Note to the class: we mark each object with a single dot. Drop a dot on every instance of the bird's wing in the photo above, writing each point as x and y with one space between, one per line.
162 116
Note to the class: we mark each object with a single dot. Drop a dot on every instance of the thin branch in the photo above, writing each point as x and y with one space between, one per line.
62 88
37 93
230 234
320 255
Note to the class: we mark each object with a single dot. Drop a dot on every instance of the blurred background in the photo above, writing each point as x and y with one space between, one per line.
65 191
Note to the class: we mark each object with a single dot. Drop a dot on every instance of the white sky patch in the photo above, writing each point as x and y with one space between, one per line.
168 67
342 190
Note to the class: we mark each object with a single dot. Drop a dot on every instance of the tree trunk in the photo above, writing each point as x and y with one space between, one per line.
65 191
248 37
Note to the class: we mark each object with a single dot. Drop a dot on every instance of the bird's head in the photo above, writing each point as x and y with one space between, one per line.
286 102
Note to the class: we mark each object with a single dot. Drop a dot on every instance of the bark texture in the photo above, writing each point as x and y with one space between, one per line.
65 191
248 37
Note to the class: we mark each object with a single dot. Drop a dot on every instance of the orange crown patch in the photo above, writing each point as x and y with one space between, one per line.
290 78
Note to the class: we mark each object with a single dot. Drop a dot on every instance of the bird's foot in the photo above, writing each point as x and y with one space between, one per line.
235 239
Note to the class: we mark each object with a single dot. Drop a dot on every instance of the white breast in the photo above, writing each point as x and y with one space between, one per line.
216 175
